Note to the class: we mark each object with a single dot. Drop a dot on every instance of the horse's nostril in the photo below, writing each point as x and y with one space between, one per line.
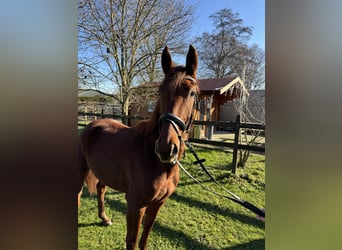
174 150
156 148
167 153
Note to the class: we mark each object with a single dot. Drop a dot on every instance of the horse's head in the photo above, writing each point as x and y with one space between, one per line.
178 95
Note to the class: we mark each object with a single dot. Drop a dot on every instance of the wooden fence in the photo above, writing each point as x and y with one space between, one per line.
87 117
234 126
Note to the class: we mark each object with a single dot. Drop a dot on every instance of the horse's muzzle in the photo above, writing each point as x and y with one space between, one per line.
168 153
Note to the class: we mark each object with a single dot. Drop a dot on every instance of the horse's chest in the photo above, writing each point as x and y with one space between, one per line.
164 188
163 192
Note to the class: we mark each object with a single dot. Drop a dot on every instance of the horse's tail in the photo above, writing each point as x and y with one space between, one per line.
91 182
85 174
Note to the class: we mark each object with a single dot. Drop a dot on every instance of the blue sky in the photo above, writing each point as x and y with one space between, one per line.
252 13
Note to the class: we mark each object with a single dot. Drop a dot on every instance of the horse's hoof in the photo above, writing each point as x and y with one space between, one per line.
107 223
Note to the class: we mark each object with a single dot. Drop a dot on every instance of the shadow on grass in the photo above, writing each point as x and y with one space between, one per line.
90 224
183 239
217 210
186 241
254 244
187 181
166 231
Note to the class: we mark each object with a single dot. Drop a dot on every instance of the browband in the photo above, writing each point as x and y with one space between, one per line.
191 79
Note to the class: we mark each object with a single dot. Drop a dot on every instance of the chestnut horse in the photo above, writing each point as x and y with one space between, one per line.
141 161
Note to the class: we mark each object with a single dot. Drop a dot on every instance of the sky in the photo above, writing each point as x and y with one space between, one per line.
252 12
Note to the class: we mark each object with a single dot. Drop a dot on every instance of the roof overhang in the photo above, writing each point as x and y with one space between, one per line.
231 84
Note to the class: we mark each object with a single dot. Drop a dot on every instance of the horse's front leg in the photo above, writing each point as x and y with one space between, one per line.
101 190
150 216
134 218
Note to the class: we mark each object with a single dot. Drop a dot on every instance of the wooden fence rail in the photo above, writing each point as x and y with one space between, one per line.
235 126
231 124
95 115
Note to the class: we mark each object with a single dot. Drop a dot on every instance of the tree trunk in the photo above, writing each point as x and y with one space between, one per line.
125 109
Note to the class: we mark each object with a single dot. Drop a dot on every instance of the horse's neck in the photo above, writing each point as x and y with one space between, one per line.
149 127
153 123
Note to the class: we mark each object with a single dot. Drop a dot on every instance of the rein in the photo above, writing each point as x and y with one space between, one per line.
235 198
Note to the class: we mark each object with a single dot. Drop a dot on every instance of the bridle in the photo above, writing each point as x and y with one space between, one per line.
177 123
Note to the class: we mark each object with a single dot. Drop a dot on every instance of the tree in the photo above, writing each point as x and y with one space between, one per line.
219 47
249 64
225 53
120 41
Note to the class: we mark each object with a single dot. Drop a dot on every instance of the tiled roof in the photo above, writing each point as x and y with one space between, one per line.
221 85
211 84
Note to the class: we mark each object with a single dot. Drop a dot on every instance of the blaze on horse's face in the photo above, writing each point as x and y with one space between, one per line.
178 93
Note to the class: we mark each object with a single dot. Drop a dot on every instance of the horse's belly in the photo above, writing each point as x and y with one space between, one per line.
112 175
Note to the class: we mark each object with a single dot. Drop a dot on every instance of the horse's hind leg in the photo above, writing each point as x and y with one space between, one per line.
150 216
101 190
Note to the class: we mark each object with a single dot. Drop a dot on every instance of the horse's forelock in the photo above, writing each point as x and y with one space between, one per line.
174 78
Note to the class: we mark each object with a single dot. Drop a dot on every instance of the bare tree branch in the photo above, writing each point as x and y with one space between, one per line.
121 41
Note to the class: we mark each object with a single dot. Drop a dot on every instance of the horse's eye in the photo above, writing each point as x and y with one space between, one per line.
192 93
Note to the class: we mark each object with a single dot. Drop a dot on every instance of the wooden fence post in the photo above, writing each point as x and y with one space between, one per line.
236 143
85 115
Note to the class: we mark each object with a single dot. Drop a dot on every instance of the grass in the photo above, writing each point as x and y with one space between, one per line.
192 218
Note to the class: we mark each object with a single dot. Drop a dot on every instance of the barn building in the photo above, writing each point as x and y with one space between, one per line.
214 93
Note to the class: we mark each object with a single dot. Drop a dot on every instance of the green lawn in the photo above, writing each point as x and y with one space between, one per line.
192 218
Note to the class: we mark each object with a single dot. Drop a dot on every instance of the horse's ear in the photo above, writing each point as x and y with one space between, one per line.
191 61
166 60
